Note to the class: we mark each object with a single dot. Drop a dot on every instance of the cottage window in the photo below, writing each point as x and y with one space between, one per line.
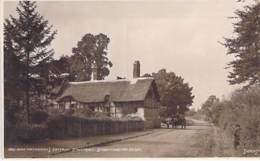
92 108
67 105
55 105
80 105
21 103
43 97
61 106
135 110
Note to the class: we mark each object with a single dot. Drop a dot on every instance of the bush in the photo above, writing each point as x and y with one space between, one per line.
246 106
56 124
9 133
27 133
38 117
242 109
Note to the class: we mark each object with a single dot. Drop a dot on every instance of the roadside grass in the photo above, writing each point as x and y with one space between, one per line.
215 143
205 144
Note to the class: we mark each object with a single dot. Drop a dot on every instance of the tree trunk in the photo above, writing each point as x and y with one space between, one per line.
28 90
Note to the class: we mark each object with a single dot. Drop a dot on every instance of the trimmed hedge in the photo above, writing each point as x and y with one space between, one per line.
39 117
26 132
63 126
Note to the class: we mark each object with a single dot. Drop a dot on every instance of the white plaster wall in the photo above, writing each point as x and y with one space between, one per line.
140 112
67 105
118 111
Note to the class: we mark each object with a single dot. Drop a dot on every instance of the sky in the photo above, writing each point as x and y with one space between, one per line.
181 36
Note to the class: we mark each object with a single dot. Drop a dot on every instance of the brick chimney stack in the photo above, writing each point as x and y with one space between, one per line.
136 71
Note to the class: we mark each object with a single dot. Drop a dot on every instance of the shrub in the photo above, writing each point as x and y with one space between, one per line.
242 109
39 116
246 106
56 124
27 133
9 133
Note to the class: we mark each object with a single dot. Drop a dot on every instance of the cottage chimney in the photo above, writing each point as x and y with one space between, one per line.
136 71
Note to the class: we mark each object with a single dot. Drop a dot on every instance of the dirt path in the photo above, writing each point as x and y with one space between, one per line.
200 140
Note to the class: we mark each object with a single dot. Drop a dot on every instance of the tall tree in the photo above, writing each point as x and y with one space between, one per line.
90 56
207 106
61 65
29 37
245 46
12 82
174 92
101 61
80 67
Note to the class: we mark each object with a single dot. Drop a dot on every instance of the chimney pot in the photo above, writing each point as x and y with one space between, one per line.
136 70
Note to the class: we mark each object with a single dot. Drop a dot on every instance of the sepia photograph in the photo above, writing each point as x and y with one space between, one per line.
131 79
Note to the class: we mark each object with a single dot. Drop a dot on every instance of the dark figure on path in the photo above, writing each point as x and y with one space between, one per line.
183 121
175 120
237 136
178 120
167 121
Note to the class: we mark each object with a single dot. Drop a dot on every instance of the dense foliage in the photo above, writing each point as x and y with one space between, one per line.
26 50
174 92
241 109
90 56
244 45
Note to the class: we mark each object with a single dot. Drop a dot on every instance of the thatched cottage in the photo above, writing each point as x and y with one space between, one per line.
119 98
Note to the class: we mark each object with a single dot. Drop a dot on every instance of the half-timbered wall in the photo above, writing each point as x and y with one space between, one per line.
148 109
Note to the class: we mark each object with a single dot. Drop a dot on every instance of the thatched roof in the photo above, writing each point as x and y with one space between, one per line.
118 90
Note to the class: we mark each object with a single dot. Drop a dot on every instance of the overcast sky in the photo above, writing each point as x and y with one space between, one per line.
179 35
